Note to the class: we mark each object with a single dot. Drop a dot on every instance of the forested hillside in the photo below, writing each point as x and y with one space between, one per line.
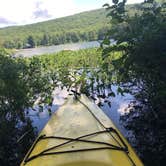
86 26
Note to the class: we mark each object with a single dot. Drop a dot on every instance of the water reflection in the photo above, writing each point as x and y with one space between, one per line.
119 104
40 118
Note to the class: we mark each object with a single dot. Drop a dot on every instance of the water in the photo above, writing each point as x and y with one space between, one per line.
52 49
39 119
118 106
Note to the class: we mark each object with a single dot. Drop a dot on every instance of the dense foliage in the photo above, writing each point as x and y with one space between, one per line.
142 40
72 68
86 26
21 83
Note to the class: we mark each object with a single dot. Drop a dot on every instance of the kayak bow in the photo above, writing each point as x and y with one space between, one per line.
80 134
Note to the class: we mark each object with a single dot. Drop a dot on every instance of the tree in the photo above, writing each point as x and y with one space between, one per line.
9 44
31 42
141 40
21 83
45 40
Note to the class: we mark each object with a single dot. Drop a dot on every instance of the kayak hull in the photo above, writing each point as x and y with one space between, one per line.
77 119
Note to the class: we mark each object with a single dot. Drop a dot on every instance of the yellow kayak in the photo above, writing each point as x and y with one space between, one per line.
80 134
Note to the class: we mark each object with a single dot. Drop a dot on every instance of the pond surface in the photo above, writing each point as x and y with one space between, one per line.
56 48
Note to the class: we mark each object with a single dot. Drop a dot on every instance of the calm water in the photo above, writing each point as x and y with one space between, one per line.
51 49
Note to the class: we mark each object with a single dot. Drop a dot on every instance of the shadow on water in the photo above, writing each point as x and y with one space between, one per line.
13 144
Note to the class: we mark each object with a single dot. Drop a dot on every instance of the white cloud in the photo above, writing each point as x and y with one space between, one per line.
21 11
16 10
40 12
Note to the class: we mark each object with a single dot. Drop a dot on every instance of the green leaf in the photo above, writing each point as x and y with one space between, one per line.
115 1
106 42
111 94
120 90
106 5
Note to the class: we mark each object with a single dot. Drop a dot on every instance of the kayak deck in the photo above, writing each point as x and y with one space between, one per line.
78 134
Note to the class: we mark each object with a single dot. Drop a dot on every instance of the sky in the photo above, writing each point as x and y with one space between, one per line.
21 12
